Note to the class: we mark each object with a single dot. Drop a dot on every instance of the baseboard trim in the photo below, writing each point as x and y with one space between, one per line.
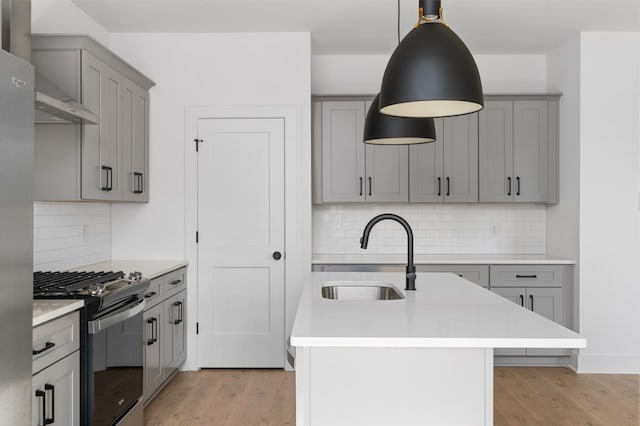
532 361
608 363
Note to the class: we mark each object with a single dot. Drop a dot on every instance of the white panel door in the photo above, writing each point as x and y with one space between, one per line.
241 227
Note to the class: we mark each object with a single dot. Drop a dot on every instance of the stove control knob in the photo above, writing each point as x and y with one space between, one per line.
95 290
135 276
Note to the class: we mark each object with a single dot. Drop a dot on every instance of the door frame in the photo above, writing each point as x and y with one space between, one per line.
296 254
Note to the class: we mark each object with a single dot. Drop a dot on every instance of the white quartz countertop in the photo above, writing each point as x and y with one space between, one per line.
149 268
444 311
49 309
442 259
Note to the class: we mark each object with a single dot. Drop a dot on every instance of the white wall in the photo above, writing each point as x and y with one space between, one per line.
362 74
64 17
609 233
215 70
438 228
563 231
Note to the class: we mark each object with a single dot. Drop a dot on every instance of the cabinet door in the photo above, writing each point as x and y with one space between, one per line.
495 133
153 350
179 306
548 303
426 169
516 295
135 142
101 93
530 150
56 393
166 335
460 180
343 152
387 174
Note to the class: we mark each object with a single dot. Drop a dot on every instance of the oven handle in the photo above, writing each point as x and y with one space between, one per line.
100 324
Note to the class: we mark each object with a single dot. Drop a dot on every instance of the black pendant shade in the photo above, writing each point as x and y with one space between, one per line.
382 129
431 74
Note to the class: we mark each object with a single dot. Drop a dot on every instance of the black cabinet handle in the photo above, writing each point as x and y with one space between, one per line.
154 329
181 312
361 186
448 187
175 282
52 388
138 183
526 276
150 294
439 186
277 255
47 346
43 395
509 186
107 170
518 185
531 300
150 341
522 301
369 186
179 306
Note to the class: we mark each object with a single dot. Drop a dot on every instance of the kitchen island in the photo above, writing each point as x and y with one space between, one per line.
423 359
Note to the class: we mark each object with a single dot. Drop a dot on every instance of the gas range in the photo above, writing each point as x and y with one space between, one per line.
100 290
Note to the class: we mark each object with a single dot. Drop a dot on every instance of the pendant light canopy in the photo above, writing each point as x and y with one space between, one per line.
382 129
431 73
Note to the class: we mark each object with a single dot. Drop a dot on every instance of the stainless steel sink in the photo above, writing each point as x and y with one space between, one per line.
360 291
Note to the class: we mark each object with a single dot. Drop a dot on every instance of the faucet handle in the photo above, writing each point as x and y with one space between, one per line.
411 275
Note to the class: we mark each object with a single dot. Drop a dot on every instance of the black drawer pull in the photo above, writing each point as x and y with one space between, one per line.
175 282
526 276
138 183
150 341
448 187
179 306
509 183
52 388
522 301
439 187
361 186
369 186
518 186
150 294
47 346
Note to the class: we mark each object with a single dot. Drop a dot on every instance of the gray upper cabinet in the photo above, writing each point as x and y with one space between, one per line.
518 150
447 169
107 161
352 171
101 91
135 142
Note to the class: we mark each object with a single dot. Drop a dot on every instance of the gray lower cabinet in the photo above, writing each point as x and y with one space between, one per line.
543 289
106 161
165 330
518 150
478 274
346 169
56 372
447 169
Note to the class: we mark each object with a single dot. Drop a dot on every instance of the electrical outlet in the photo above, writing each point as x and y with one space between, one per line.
494 229
85 232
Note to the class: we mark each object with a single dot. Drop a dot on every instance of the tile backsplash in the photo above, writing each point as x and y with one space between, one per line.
70 235
437 229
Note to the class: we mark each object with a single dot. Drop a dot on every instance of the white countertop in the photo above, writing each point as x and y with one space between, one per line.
440 259
150 268
444 311
49 309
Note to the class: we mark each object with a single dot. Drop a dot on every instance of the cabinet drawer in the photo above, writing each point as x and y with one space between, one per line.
478 274
174 282
153 296
527 275
55 340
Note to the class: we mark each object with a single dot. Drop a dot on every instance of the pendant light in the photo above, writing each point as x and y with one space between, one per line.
431 73
382 129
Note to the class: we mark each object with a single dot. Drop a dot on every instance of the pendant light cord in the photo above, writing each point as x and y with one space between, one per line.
398 21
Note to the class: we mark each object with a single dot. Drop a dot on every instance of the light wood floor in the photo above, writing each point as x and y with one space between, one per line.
523 396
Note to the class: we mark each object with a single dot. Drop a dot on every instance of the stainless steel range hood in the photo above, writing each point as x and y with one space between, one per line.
55 106
52 104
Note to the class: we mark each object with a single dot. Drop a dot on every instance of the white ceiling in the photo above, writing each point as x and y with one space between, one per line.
370 26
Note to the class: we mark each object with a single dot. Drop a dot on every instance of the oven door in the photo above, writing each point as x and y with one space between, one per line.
115 350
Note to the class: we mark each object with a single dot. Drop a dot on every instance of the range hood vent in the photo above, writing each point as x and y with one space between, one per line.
53 105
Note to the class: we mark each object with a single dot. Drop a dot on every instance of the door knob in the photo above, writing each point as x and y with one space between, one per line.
277 255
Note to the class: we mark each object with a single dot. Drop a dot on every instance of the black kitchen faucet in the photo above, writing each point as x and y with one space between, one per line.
411 268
